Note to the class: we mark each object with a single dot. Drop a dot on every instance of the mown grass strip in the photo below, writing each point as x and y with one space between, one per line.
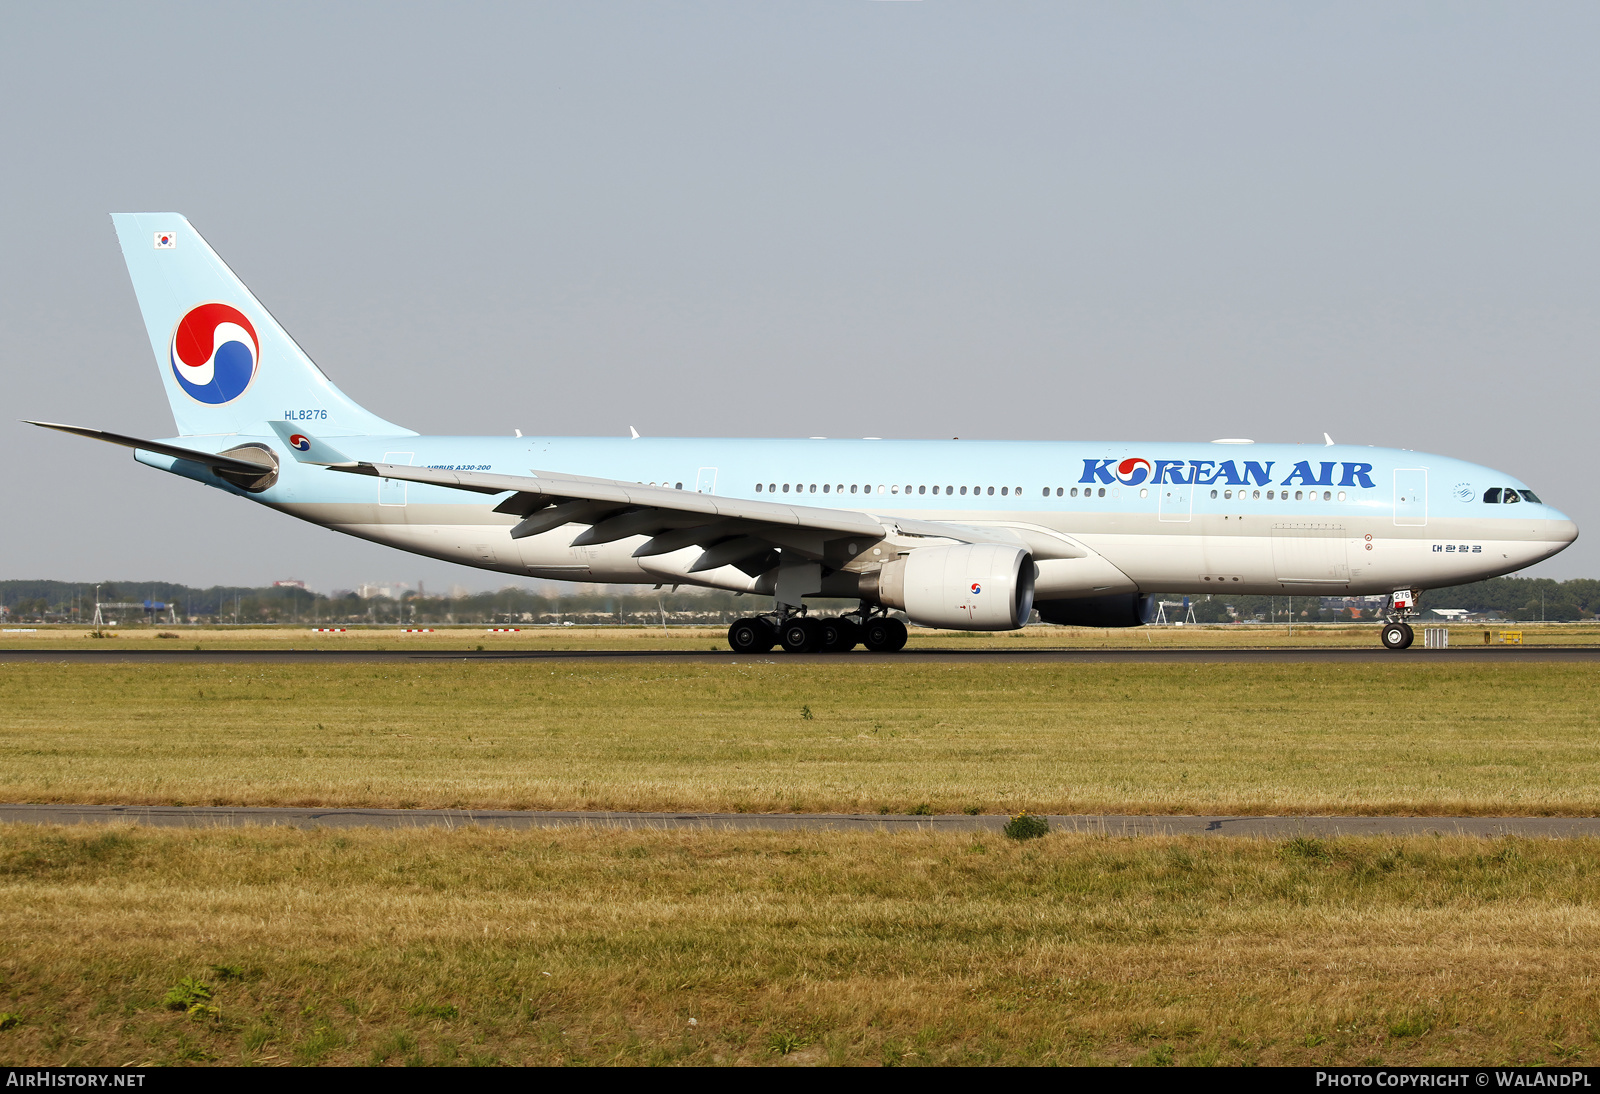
1216 738
475 946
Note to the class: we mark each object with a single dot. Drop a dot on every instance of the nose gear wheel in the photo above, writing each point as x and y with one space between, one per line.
1398 635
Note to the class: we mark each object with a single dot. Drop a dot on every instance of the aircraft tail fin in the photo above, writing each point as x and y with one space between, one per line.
226 364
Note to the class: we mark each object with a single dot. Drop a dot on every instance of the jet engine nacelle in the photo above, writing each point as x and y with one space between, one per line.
973 586
1119 610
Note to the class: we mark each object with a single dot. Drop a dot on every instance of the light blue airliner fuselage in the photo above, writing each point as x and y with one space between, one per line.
1422 521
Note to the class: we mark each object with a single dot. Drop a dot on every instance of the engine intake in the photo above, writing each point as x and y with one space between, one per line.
973 586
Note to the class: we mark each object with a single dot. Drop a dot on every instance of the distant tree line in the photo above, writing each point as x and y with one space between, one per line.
72 602
1514 598
1524 599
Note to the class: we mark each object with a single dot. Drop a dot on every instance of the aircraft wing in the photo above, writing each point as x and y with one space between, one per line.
730 531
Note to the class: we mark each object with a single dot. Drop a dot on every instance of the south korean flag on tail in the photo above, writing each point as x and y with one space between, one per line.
166 241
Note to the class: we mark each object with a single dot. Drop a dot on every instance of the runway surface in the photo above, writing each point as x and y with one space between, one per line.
172 816
1474 655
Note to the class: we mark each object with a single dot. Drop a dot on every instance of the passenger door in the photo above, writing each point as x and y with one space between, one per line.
1176 501
391 491
1411 496
706 481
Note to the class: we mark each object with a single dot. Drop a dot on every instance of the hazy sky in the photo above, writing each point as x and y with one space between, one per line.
1158 221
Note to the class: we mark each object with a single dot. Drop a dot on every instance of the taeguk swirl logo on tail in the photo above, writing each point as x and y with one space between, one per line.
215 353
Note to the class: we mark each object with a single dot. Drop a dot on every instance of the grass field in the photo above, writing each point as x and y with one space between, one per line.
855 736
602 946
26 636
577 946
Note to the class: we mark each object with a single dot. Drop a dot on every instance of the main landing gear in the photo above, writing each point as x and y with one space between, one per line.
1397 633
798 633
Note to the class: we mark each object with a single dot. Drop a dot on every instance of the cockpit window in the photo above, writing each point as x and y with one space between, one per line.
1492 495
1529 495
1510 496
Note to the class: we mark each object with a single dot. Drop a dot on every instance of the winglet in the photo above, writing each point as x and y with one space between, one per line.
306 448
1328 439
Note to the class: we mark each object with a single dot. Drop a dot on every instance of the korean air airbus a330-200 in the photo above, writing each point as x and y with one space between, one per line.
974 535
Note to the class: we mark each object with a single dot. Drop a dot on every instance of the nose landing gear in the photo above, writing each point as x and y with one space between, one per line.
1397 633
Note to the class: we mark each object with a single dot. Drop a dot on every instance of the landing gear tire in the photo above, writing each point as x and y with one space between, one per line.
1397 636
838 635
884 635
751 636
800 635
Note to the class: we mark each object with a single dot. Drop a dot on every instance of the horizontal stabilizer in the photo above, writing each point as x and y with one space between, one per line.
209 459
